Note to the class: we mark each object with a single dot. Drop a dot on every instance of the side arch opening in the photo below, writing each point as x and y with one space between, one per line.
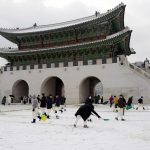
54 86
90 86
20 89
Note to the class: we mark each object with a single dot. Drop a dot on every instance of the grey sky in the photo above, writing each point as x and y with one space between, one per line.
24 13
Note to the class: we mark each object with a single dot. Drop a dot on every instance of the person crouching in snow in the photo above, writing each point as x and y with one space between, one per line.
84 112
121 105
34 108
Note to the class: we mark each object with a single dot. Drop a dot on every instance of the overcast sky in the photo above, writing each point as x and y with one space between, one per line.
24 13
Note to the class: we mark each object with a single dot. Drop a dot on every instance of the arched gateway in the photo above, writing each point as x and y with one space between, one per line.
20 88
53 85
87 88
74 55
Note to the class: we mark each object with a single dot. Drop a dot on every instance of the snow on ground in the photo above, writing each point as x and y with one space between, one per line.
18 133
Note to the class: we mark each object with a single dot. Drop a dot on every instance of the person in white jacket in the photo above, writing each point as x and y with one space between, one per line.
34 108
8 100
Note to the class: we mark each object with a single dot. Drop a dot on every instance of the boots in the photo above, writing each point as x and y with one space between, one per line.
39 117
57 117
34 120
61 110
122 119
116 118
85 126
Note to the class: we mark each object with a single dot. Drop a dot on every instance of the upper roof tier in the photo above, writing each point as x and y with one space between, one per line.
88 29
43 28
114 39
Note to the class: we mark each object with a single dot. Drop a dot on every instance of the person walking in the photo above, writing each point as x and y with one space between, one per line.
39 99
63 103
115 103
121 105
49 103
56 105
43 104
111 101
140 103
25 99
101 99
34 101
129 103
4 100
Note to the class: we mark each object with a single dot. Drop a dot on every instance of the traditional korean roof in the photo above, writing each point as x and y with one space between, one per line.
110 40
42 28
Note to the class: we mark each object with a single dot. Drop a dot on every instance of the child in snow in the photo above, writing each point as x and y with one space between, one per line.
84 112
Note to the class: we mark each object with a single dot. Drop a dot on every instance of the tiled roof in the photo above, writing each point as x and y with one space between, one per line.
108 39
60 25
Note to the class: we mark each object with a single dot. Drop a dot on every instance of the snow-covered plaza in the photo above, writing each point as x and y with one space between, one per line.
18 133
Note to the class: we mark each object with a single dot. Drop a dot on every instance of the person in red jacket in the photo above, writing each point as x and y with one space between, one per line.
111 100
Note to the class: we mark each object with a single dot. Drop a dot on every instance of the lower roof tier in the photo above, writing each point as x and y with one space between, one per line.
112 46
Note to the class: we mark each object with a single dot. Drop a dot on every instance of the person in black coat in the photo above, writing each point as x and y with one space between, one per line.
49 105
43 104
62 103
84 112
39 99
4 100
140 103
56 105
121 104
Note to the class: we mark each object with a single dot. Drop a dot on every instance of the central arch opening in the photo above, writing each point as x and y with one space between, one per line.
54 86
90 86
20 89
